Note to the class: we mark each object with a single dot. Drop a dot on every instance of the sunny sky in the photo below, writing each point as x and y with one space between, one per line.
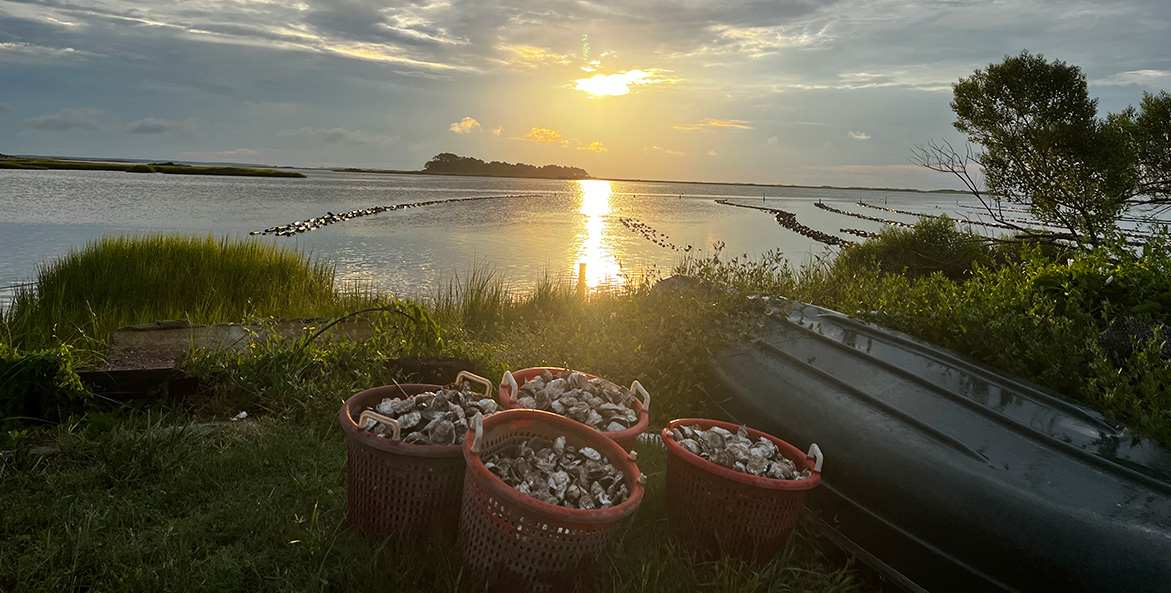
803 92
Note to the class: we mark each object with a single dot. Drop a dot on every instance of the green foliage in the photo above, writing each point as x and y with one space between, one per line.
124 280
933 245
1150 130
39 385
1044 144
141 169
1035 317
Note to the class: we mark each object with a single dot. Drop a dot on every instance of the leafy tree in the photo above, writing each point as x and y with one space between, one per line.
1041 143
1150 130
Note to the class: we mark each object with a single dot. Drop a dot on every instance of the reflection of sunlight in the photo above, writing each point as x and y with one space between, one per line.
596 251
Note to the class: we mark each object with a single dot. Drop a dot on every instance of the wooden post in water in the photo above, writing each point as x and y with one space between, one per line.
581 280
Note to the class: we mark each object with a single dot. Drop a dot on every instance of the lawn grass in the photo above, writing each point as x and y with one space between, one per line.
259 505
143 168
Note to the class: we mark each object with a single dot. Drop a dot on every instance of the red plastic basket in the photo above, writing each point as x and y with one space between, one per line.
714 509
394 487
523 544
625 438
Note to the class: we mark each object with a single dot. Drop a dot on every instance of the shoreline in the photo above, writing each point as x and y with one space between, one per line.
628 180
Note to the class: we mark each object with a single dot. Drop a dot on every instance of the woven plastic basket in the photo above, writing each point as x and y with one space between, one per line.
520 543
394 487
713 509
510 383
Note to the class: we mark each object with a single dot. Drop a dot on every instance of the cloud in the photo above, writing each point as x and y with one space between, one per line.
709 123
858 135
544 135
219 154
338 136
667 151
498 130
1151 78
595 146
85 118
532 56
711 153
617 84
5 107
466 125
773 140
758 42
154 125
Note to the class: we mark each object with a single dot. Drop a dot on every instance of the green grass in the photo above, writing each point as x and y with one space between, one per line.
140 168
260 506
124 280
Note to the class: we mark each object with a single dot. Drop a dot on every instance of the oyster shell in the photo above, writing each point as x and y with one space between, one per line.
595 402
559 474
738 451
433 418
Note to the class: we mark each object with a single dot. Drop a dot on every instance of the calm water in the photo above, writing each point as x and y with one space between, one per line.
413 252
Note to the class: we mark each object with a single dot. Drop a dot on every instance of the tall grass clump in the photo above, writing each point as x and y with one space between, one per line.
124 280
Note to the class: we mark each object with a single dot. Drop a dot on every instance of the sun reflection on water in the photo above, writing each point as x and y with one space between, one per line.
596 249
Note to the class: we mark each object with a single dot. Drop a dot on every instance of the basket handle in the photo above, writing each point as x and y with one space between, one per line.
474 378
510 381
646 397
387 420
818 458
478 426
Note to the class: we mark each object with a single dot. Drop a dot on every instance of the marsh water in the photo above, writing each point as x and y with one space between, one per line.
549 228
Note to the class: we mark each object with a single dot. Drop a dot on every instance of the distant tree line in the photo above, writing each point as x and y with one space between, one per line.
452 164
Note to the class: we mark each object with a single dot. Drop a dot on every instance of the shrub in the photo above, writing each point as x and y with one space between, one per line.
39 385
933 245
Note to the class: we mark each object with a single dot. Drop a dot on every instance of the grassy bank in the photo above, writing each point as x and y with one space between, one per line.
170 168
133 497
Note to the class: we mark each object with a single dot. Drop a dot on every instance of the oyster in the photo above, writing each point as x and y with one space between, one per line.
596 402
738 451
559 474
432 418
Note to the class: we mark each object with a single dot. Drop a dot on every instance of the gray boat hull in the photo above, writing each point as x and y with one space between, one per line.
956 476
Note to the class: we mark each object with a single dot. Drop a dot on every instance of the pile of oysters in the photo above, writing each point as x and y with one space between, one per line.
597 403
559 474
738 451
432 418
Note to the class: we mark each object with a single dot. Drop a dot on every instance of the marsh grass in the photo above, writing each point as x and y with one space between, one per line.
117 281
142 168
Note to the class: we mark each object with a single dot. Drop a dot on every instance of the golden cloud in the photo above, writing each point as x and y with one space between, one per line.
594 146
530 55
545 135
465 126
667 151
709 123
497 130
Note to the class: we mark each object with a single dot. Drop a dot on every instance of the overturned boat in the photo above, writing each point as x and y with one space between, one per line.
948 475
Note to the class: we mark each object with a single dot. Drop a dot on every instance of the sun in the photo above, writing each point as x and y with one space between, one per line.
612 84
